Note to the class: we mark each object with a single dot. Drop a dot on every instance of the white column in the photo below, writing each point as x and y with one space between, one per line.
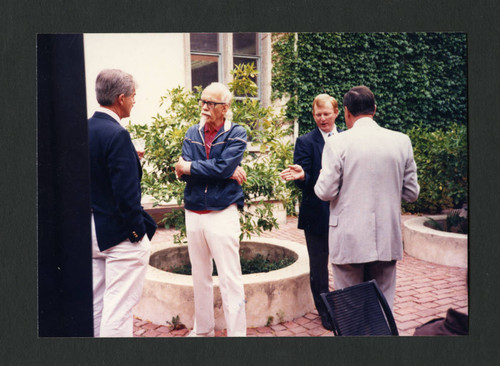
266 67
227 57
187 60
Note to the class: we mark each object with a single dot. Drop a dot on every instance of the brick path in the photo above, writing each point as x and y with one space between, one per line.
424 291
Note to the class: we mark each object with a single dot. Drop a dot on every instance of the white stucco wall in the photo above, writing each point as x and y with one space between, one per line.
155 60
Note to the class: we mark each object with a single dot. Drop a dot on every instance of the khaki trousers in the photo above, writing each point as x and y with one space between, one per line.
346 275
216 235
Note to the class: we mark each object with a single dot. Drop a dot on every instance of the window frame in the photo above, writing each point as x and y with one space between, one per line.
217 54
226 63
258 66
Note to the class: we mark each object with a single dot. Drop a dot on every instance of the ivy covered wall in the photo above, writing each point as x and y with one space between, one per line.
416 77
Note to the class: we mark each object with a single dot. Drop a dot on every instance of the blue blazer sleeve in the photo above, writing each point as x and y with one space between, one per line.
303 157
314 213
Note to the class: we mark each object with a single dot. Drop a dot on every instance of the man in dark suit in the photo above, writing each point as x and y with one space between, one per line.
314 213
120 246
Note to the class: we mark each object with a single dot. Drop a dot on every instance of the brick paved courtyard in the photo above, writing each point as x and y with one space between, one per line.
424 291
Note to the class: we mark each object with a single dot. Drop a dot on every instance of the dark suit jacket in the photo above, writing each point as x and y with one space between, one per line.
314 213
115 175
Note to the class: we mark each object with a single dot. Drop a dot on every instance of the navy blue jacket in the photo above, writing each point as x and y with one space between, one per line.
314 213
115 177
209 186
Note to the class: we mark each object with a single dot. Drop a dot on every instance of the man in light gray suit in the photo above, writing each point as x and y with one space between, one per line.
365 173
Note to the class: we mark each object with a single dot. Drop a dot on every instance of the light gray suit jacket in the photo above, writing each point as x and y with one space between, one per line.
365 173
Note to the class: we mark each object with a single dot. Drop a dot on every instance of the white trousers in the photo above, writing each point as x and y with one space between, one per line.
118 277
216 235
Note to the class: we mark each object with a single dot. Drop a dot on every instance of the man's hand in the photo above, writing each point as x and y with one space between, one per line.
293 172
239 175
182 167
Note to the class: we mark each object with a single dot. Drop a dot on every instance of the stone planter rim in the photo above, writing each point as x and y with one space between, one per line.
285 291
432 245
423 219
291 271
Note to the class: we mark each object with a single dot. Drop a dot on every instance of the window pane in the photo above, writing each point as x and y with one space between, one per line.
205 42
245 43
204 70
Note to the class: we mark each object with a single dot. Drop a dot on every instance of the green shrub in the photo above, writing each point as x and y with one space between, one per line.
441 158
455 222
164 135
258 264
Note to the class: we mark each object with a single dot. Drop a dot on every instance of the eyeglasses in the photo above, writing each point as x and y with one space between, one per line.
210 105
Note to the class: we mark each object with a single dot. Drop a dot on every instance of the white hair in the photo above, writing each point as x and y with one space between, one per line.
225 95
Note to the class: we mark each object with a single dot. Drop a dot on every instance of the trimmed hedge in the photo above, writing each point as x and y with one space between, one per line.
441 158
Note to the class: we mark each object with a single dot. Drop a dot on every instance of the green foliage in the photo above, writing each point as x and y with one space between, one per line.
258 264
162 139
270 153
416 77
175 324
455 222
270 320
281 316
441 158
176 219
243 84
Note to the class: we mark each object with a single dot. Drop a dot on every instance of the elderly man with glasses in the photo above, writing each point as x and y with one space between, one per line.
211 154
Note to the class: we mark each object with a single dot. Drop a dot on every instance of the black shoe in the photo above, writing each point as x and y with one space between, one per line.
325 321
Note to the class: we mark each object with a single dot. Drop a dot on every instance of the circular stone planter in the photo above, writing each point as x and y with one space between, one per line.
433 245
284 294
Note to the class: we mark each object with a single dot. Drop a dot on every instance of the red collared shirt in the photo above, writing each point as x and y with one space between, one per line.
209 138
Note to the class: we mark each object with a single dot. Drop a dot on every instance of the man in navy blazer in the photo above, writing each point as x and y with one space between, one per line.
314 213
120 246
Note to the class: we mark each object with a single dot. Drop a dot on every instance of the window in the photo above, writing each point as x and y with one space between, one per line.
246 51
205 57
214 54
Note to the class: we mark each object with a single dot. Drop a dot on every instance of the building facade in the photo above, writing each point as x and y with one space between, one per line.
162 61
